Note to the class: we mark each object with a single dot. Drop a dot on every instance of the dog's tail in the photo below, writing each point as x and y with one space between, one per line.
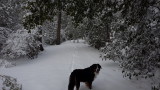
72 81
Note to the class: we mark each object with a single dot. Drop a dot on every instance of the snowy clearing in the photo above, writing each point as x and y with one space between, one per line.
51 70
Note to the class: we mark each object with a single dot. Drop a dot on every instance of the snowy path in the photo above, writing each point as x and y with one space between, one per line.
51 70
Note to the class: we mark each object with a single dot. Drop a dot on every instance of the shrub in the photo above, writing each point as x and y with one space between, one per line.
4 33
10 83
19 44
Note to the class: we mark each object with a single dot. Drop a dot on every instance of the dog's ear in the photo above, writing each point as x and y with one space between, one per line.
99 66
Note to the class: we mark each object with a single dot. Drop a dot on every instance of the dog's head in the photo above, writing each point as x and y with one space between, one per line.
96 68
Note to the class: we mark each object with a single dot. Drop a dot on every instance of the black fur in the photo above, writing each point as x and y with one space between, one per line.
86 75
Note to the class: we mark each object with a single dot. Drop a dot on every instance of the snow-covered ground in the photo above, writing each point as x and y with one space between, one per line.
51 70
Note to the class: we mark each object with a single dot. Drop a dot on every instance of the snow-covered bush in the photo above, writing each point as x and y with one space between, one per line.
6 64
9 83
97 37
21 43
49 31
4 33
95 32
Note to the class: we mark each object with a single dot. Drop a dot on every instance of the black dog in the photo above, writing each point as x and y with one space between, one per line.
86 75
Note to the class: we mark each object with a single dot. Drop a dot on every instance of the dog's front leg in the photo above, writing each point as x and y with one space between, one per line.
89 84
77 85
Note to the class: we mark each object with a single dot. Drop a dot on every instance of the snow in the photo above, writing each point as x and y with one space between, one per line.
51 70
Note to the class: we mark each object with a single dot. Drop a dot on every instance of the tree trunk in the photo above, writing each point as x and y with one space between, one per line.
108 33
40 39
58 41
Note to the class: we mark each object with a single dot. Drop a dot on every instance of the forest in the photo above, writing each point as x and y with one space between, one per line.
124 31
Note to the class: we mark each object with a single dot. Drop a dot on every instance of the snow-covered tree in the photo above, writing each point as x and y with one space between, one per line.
99 15
49 29
135 41
11 13
42 10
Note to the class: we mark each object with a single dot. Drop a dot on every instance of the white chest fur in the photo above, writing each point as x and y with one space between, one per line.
96 72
